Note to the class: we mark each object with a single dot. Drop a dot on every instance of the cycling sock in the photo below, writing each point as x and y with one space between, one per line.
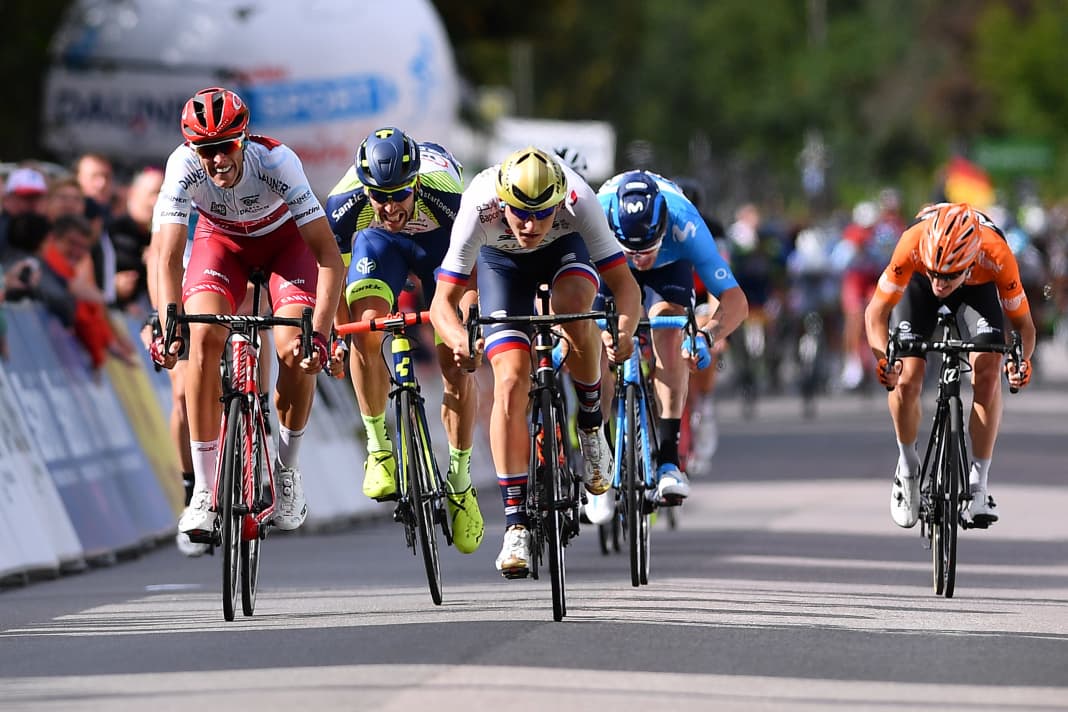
289 445
589 400
459 469
909 457
514 494
205 459
977 474
189 482
669 441
377 439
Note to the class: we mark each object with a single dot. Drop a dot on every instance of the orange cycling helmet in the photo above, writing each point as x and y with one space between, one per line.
951 237
214 114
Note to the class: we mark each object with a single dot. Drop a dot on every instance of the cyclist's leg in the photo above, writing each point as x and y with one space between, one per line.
507 286
668 293
574 287
984 322
212 273
293 277
915 313
377 273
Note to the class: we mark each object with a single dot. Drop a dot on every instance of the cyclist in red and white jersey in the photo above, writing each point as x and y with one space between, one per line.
256 211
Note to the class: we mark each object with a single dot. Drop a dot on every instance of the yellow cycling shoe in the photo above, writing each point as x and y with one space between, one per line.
466 520
380 475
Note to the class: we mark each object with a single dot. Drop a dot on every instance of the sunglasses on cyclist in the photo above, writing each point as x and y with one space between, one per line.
525 215
397 195
646 251
944 276
210 150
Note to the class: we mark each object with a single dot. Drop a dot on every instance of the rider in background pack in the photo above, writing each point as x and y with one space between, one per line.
666 241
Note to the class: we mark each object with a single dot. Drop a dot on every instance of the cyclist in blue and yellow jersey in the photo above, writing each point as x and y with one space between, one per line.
525 222
392 214
666 240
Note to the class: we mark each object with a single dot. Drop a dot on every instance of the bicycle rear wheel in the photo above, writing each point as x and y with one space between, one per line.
551 511
250 542
229 495
416 455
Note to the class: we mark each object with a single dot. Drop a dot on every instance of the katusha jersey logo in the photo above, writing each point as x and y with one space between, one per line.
218 208
366 265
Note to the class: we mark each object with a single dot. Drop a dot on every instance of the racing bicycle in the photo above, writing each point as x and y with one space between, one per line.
421 486
944 492
244 495
554 489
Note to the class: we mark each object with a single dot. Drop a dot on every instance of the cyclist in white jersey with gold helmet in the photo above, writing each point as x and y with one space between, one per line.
525 222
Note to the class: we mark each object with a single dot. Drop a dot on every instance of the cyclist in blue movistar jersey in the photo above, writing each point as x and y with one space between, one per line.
666 240
392 214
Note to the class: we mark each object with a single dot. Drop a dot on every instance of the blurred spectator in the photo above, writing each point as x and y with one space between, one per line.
24 191
26 275
71 240
860 268
65 197
130 235
96 177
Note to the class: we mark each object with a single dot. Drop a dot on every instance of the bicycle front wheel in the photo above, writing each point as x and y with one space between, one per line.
552 508
417 461
250 542
953 471
633 483
229 495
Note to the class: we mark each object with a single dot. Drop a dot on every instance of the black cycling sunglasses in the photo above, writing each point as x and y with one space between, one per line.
944 276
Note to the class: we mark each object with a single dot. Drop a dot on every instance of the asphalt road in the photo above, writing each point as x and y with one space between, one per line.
785 586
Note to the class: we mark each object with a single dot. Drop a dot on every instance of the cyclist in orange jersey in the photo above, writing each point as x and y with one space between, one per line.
950 255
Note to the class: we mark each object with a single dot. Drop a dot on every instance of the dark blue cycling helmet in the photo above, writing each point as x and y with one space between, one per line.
387 158
641 211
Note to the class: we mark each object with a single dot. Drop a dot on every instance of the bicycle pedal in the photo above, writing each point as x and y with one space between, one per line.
386 498
515 573
672 501
199 536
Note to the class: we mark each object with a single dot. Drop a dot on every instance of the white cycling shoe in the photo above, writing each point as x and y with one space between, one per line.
905 499
600 507
982 510
198 517
291 508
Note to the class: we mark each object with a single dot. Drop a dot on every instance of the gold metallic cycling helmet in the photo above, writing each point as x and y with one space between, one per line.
951 237
531 179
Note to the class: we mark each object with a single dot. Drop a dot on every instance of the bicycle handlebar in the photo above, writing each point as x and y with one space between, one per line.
952 347
304 323
390 322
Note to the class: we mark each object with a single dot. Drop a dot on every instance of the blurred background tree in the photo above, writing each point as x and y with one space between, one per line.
748 97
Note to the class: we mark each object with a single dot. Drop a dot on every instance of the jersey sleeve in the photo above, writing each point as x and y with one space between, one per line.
701 250
174 203
467 235
295 189
895 278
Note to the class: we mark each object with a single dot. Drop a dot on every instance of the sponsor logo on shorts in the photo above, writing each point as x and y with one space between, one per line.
213 273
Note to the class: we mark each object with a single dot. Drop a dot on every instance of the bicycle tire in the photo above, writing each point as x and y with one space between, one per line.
633 487
954 471
230 485
414 453
551 513
937 494
250 542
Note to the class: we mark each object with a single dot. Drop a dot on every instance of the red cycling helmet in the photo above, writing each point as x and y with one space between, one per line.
214 114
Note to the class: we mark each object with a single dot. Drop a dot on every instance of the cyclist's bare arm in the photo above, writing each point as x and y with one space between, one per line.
629 303
446 322
320 240
876 323
728 315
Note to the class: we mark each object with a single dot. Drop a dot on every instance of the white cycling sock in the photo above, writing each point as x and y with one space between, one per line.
289 445
205 460
977 475
909 458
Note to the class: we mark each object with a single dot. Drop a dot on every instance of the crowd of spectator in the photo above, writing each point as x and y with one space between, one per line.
75 241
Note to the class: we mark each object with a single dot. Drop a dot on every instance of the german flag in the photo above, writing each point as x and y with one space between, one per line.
968 183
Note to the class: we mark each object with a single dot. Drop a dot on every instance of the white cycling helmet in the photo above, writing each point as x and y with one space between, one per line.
573 159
